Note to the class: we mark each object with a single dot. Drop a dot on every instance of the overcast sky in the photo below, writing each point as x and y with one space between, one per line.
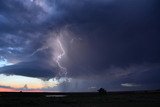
79 45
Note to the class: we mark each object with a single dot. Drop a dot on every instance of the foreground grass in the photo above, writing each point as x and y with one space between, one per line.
140 99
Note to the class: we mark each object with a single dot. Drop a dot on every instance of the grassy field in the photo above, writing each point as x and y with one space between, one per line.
112 99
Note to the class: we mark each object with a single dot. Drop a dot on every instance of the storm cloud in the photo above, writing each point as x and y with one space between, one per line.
106 42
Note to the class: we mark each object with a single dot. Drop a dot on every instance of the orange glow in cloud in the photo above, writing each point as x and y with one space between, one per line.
7 90
24 90
16 90
17 82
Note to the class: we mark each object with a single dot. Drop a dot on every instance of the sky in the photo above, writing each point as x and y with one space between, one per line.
79 45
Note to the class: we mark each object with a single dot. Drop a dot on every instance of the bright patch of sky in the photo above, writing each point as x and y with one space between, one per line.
130 85
16 49
4 62
16 81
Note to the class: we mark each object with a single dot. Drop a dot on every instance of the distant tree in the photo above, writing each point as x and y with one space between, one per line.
102 91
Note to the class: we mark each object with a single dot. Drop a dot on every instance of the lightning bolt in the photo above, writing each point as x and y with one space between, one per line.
59 57
38 50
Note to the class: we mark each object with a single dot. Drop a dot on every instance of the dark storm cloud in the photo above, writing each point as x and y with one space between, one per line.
110 37
31 69
119 33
